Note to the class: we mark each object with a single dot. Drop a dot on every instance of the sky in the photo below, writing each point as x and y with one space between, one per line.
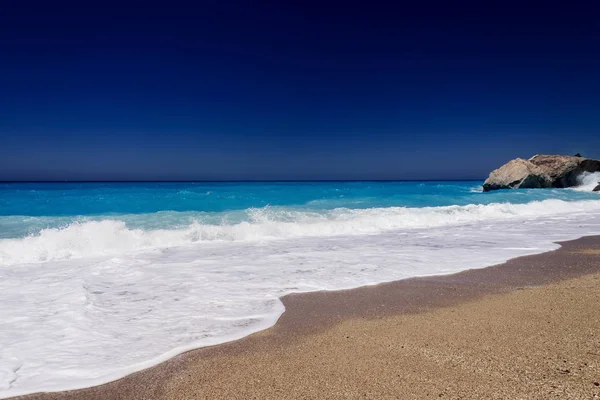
297 90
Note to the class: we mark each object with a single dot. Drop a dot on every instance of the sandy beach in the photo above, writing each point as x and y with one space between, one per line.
299 200
526 329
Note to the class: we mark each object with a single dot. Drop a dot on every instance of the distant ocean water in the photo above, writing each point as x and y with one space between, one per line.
98 280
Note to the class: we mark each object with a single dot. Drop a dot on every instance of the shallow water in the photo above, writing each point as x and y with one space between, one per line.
98 280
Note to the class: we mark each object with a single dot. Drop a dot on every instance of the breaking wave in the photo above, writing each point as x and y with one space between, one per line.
588 181
114 236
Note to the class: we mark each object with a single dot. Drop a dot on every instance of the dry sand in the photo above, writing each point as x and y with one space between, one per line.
527 329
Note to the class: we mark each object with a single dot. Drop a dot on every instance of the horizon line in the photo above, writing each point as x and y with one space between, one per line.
243 180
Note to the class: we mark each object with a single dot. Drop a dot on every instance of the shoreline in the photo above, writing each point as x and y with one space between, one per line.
311 314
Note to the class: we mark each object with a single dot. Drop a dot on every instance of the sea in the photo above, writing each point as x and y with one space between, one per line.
99 280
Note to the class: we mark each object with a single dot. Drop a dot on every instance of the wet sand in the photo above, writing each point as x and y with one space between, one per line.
526 329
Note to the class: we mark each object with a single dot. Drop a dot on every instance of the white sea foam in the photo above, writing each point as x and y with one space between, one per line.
111 300
112 237
587 181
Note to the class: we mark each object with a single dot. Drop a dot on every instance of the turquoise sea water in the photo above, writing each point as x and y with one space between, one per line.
27 208
98 280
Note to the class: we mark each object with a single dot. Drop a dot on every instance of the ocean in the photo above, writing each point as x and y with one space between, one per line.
98 280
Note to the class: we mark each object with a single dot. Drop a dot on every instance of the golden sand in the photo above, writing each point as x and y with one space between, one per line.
590 251
527 329
539 343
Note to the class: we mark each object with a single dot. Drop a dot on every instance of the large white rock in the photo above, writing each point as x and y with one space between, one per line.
517 173
540 171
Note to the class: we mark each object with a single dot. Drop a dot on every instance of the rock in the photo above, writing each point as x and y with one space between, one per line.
564 170
540 171
577 155
517 173
597 188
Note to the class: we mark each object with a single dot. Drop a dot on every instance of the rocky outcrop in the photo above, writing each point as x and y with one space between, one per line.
517 173
540 171
597 188
564 170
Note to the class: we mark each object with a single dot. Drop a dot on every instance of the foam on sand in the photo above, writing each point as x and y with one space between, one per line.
96 300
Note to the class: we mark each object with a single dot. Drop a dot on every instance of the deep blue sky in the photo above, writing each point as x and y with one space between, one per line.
228 90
